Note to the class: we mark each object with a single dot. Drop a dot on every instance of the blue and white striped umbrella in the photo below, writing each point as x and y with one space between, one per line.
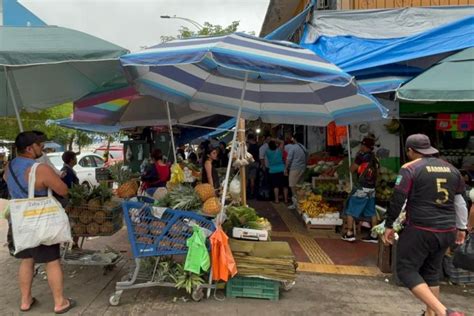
286 83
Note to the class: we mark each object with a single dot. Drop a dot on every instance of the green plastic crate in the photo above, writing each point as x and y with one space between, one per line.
253 287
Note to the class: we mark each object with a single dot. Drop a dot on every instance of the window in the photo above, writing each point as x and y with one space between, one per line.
98 161
87 162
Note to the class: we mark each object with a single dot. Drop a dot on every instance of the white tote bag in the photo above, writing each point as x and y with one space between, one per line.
38 221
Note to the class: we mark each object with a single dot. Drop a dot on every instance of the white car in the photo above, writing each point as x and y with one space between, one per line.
87 162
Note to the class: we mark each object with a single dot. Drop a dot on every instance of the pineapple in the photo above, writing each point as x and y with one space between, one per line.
205 191
212 206
184 197
124 177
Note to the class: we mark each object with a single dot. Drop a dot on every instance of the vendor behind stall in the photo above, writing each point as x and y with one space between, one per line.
156 174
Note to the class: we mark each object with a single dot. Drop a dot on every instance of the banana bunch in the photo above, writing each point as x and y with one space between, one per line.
314 206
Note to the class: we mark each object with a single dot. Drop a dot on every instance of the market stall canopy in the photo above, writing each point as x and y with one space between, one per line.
124 107
385 48
86 127
286 83
51 65
450 80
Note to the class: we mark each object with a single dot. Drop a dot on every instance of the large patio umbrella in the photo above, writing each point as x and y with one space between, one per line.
245 76
45 66
124 107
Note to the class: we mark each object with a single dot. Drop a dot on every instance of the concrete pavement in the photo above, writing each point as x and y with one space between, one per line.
313 294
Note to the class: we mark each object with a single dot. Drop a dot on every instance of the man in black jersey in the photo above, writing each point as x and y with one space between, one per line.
436 219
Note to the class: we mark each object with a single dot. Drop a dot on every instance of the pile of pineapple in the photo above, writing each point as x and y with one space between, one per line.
314 205
93 213
185 197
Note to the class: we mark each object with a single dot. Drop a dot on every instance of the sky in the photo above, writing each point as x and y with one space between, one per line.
134 24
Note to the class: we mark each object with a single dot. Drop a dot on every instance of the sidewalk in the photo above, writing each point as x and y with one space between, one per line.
313 294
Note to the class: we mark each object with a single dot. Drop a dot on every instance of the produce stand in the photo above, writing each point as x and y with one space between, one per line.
157 232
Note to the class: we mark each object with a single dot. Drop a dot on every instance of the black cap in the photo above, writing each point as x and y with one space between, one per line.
25 139
421 144
368 142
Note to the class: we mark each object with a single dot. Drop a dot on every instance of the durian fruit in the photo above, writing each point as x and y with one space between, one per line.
205 191
212 206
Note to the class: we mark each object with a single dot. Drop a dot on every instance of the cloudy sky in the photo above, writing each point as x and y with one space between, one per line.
135 23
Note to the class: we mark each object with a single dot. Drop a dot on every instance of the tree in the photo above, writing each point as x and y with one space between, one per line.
207 30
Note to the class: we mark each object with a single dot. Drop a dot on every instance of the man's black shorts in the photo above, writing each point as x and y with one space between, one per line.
420 255
40 254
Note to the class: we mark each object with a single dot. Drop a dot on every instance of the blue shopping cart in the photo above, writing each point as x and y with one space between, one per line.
154 232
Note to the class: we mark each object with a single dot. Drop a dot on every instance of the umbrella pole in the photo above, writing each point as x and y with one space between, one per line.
231 154
171 132
10 88
349 154
243 176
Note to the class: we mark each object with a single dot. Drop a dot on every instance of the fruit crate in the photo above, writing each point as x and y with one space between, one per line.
88 221
253 288
456 275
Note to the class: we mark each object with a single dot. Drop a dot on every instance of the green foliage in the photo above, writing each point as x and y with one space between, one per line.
207 30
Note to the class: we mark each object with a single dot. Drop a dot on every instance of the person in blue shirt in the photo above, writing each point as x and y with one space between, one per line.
69 175
276 167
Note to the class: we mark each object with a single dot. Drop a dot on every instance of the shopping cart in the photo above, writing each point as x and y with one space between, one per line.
157 232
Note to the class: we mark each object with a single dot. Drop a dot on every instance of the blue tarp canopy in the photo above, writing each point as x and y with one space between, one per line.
385 48
87 127
219 122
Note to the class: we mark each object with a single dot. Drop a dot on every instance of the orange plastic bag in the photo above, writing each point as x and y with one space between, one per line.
223 263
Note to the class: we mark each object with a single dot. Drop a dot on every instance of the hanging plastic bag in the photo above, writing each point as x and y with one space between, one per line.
464 255
177 174
197 257
38 221
223 263
234 188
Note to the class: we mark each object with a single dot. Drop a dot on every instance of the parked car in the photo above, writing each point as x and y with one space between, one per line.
115 153
87 162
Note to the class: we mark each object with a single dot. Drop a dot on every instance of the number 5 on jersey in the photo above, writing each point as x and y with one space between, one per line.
439 183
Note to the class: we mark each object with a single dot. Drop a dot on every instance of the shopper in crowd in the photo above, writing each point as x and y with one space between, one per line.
70 176
295 166
209 172
223 156
44 157
262 152
252 168
276 168
180 153
432 190
157 173
193 158
29 148
361 203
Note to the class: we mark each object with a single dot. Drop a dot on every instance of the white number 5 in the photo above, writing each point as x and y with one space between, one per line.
439 182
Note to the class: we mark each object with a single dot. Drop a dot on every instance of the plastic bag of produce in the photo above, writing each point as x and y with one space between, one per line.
234 188
464 255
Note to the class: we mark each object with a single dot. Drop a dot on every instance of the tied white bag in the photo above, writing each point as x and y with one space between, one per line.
38 221
234 188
